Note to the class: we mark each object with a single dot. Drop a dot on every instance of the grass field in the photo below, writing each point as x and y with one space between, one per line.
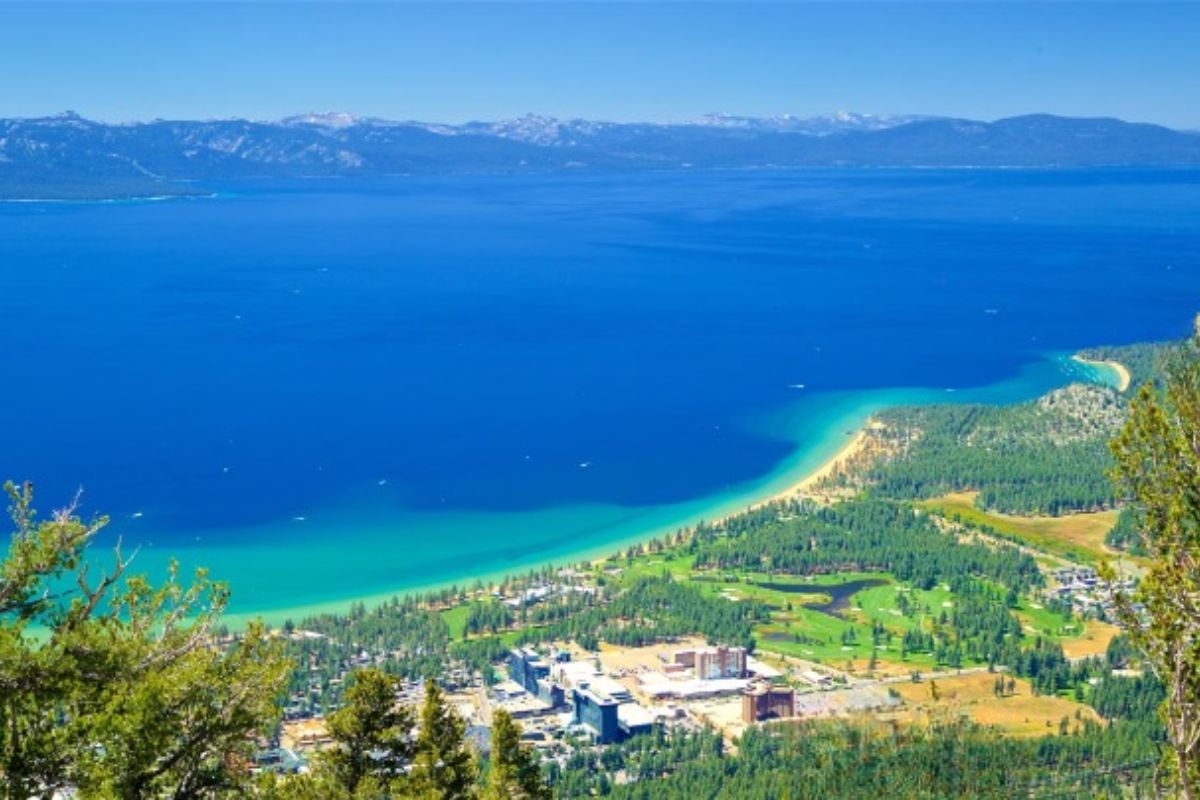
456 619
972 695
1076 537
653 564
1039 621
798 630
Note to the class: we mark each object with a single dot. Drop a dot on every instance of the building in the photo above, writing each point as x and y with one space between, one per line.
607 711
764 701
607 687
633 719
531 672
574 674
659 685
550 693
714 662
597 713
278 760
686 658
521 703
760 670
526 667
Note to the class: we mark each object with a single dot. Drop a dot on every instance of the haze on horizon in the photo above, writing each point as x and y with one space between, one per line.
444 62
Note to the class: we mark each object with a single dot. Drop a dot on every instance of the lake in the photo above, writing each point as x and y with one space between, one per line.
337 389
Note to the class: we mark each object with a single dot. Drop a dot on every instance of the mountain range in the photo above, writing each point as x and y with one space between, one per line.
66 156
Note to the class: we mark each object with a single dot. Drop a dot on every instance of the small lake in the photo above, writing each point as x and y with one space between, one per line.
839 594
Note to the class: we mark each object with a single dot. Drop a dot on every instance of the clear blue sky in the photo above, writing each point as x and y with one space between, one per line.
623 61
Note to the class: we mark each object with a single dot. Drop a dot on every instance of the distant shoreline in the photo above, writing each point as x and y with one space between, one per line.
147 198
1124 378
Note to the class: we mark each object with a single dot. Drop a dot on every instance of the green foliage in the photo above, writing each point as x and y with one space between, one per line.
647 610
114 687
371 734
487 616
1144 360
1046 456
414 638
1007 453
1158 467
841 761
1129 698
382 750
513 771
1120 652
858 536
1125 534
653 609
442 766
642 758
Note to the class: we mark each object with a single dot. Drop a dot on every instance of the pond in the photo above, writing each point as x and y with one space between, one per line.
839 594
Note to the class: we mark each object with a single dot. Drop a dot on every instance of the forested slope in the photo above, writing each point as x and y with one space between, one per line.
1045 456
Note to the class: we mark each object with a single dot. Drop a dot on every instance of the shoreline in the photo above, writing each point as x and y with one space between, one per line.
1124 377
838 434
807 484
135 198
797 487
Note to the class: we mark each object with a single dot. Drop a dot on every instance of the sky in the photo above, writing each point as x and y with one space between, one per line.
453 62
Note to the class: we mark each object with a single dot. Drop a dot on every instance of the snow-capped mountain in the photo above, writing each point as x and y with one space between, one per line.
66 155
823 125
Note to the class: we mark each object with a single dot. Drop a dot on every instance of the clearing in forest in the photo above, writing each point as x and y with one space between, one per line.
1077 537
973 695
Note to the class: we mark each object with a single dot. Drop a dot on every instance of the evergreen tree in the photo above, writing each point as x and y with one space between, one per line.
513 772
1158 467
122 692
371 733
443 767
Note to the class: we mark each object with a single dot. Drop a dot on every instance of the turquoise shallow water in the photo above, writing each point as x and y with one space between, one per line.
313 561
327 390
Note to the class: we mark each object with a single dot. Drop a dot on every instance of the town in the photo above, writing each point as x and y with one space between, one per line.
569 699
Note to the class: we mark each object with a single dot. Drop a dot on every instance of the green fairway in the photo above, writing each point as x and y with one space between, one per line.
456 619
1047 623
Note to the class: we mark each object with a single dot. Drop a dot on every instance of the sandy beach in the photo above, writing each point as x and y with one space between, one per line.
807 485
804 487
852 438
1124 378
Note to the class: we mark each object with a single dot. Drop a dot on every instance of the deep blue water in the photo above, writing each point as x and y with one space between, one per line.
367 354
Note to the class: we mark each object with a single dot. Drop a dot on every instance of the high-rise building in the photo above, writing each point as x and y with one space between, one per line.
596 712
526 667
763 701
720 662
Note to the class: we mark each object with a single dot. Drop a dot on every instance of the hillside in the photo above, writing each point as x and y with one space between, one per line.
69 157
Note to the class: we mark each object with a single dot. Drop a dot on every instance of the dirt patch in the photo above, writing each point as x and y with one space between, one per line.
1094 641
1019 713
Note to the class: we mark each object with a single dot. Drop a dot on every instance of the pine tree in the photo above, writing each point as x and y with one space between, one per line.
513 772
443 767
1158 467
122 693
371 732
